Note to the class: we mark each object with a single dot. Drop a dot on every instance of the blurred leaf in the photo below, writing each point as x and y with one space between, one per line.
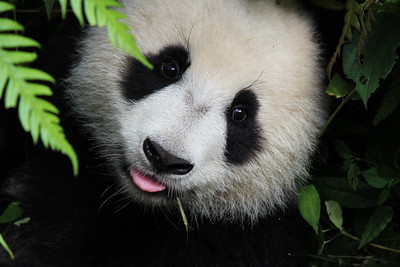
5 7
352 175
48 4
11 213
391 100
5 246
342 149
379 55
335 213
22 221
376 224
310 205
388 6
339 189
386 192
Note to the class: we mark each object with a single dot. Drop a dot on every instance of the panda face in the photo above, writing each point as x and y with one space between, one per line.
226 120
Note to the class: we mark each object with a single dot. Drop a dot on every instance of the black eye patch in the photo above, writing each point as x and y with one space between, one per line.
243 131
139 81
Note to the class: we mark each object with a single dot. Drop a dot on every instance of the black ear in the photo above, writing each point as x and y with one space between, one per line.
243 131
139 81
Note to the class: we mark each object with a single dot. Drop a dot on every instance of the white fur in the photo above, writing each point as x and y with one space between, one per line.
233 44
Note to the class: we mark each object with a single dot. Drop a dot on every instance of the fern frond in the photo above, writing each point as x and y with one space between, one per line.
390 101
20 88
102 13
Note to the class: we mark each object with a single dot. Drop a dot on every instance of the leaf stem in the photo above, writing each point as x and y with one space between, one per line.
344 101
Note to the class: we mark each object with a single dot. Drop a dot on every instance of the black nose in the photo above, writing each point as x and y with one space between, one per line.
164 161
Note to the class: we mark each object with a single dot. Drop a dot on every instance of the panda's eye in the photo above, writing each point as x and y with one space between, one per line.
238 114
170 69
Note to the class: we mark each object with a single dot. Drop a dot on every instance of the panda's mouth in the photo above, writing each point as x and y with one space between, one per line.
146 183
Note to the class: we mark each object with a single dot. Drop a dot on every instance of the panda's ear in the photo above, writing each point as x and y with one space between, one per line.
169 64
243 132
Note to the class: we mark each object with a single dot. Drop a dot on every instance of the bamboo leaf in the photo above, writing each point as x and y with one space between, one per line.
310 205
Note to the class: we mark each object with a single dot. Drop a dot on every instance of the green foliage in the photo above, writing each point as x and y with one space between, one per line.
391 100
350 21
358 173
309 205
23 87
378 55
376 224
10 214
101 13
335 213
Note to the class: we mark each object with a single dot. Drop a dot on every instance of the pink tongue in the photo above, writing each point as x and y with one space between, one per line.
146 183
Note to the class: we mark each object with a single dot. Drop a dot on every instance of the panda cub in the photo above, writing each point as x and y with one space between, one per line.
224 124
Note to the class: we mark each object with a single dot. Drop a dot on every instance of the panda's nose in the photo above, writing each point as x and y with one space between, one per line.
164 161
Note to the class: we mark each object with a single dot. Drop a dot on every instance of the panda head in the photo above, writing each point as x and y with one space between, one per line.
226 120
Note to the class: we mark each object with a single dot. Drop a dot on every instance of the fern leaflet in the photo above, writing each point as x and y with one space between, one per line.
102 13
20 89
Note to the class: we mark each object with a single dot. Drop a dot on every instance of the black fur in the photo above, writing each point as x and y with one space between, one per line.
139 81
243 138
67 228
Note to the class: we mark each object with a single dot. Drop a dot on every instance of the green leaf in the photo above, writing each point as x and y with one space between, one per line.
352 10
338 87
352 175
22 221
378 177
391 100
19 57
335 213
77 9
5 7
10 25
183 216
379 55
63 4
310 205
386 192
48 4
5 246
13 41
22 89
11 213
376 224
342 149
339 189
